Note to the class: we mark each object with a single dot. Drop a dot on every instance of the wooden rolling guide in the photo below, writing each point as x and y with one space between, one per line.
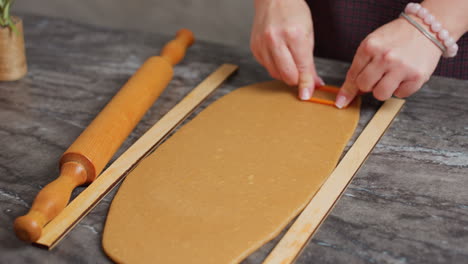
308 222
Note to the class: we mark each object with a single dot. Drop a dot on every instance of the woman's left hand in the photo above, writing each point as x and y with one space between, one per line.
396 59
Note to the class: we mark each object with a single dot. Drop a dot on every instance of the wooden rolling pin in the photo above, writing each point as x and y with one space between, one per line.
92 150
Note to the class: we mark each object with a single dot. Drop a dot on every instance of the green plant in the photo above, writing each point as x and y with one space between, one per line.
5 17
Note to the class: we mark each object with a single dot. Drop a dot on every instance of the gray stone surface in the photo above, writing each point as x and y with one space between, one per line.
408 203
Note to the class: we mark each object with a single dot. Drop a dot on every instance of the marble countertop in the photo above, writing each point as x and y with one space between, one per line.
407 204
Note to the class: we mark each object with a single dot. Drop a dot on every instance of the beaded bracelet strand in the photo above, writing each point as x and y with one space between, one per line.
444 41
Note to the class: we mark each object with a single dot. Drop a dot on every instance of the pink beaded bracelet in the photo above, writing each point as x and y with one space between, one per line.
450 46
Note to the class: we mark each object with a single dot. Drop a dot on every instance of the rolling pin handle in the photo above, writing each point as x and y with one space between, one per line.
50 201
174 50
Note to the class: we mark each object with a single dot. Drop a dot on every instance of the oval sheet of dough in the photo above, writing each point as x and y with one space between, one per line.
228 181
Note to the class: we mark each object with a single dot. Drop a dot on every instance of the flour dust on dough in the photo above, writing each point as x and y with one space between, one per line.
228 181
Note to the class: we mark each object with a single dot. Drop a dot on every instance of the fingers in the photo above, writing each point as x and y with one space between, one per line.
309 80
393 60
273 53
370 75
263 56
361 59
269 64
287 68
387 85
382 74
349 89
301 47
287 54
407 88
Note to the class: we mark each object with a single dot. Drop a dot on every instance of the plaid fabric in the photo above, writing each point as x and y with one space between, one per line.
341 25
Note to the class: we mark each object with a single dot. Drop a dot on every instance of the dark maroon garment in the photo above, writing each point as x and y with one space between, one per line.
341 25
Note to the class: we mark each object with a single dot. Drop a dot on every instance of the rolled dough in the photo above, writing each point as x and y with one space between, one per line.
228 181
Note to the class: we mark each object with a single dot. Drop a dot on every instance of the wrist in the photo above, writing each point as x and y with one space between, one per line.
431 28
451 14
419 36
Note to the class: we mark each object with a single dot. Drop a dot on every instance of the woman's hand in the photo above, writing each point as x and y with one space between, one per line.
396 59
282 40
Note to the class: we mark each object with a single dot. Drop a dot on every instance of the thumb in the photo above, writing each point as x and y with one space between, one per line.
306 85
317 79
347 93
308 80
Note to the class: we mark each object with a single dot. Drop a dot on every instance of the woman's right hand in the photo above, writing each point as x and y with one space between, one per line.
282 40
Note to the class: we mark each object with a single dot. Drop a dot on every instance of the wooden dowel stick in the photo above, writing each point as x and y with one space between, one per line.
56 229
324 200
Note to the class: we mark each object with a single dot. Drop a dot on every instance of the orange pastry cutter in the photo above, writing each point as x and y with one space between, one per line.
328 89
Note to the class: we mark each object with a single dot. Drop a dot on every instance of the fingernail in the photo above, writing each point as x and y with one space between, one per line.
304 94
322 83
340 101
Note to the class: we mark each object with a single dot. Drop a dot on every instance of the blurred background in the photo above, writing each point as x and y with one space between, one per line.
221 21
